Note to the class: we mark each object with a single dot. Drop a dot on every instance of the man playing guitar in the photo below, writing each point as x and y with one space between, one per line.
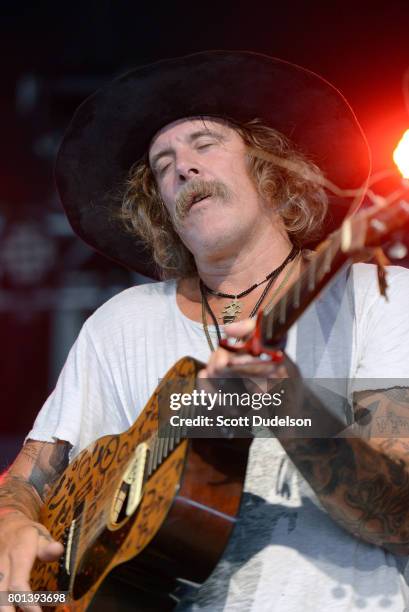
186 144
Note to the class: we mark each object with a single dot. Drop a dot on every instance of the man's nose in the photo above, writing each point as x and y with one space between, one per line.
186 171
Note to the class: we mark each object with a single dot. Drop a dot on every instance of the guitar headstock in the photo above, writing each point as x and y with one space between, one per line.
373 226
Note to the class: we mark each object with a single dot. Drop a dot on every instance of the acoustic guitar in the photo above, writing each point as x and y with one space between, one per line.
145 517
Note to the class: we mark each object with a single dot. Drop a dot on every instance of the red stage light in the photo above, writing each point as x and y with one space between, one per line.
401 155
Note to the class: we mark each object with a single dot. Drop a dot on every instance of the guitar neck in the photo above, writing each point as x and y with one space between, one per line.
324 265
370 228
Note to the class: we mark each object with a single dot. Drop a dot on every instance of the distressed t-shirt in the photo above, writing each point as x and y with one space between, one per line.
286 553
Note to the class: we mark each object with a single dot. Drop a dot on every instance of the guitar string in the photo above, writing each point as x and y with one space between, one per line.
272 313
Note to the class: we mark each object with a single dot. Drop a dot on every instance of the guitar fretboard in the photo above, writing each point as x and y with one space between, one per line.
279 317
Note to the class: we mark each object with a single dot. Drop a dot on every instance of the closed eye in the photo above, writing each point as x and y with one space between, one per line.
204 145
162 170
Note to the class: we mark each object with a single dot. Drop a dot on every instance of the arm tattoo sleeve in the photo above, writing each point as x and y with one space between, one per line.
47 467
25 486
363 480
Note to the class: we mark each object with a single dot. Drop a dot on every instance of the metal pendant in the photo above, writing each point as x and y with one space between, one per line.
231 311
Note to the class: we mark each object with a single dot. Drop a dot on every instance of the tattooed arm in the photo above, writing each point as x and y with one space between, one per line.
22 492
26 484
363 480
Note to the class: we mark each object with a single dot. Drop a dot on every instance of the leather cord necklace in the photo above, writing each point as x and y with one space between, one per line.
206 306
232 310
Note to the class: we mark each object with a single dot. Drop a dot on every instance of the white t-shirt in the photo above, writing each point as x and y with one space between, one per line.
286 553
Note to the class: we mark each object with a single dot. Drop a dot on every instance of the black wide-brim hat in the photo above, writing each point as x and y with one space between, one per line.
113 128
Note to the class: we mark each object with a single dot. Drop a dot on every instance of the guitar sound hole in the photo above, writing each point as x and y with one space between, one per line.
129 494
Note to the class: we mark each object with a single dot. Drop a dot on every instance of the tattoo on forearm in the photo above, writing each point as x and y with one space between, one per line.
31 452
385 415
17 493
363 482
48 466
398 395
46 462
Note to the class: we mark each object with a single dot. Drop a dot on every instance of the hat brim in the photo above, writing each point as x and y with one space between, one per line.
113 128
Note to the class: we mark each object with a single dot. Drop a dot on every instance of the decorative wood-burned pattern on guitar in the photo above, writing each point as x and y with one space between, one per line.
78 511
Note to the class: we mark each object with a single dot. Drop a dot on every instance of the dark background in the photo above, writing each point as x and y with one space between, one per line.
53 55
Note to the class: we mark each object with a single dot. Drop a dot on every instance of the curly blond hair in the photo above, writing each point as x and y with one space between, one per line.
283 176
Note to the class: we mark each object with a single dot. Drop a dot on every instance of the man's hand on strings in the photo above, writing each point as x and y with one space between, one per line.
226 364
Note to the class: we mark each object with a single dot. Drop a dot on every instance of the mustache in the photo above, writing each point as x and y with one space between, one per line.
195 189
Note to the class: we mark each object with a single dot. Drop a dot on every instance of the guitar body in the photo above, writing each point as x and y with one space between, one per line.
185 501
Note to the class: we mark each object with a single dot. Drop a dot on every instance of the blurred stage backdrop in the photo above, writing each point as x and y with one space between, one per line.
53 55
